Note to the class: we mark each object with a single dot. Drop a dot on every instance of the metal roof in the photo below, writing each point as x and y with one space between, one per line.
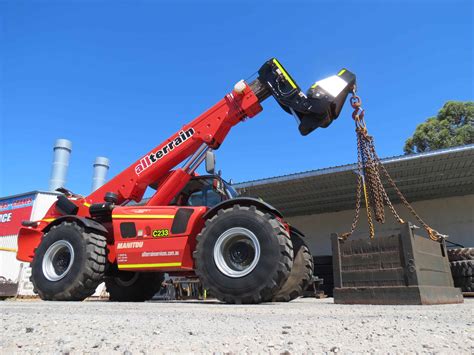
435 174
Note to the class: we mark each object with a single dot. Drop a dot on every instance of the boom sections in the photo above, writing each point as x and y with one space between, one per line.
210 128
321 104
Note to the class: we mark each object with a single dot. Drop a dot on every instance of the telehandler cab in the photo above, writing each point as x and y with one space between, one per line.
242 249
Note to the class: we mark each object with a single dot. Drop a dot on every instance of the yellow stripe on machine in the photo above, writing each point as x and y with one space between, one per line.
144 216
8 249
87 204
285 74
139 266
48 219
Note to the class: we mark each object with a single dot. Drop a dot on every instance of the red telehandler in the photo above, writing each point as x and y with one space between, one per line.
242 249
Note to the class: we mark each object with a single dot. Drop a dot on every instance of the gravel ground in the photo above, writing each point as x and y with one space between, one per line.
301 326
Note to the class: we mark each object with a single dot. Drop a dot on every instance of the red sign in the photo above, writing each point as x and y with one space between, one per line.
13 211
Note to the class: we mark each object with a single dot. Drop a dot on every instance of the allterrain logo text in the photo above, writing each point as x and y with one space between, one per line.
151 159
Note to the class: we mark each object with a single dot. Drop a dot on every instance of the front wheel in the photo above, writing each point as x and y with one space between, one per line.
68 264
243 255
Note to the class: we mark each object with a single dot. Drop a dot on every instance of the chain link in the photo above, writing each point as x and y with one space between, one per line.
369 181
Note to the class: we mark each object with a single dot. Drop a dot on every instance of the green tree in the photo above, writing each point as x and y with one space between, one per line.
452 126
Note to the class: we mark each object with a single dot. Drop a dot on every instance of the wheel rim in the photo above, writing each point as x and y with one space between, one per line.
236 252
57 260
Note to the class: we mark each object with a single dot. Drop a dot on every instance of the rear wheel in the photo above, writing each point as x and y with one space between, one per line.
127 286
243 255
68 264
301 272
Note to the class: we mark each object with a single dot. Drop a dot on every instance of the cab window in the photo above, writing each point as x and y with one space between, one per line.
200 192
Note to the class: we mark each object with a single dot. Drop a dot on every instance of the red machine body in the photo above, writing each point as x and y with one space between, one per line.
161 237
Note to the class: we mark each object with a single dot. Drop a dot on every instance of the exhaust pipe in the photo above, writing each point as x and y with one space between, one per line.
101 166
62 152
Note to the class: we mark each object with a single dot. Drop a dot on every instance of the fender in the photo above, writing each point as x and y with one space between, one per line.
28 241
242 201
30 238
296 231
83 221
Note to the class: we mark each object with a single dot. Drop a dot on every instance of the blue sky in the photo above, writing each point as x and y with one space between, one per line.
119 77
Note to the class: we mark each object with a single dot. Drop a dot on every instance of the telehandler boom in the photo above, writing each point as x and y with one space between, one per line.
241 248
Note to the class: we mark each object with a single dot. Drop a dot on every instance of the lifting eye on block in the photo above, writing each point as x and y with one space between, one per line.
321 104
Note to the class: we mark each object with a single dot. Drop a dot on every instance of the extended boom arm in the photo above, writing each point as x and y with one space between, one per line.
317 108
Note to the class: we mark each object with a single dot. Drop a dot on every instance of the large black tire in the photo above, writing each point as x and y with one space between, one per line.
301 272
68 264
463 268
463 274
466 284
245 277
459 254
128 286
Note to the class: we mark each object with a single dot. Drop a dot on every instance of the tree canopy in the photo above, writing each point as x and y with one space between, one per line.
452 126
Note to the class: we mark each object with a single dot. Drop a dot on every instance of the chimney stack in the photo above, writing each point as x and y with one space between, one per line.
62 151
101 166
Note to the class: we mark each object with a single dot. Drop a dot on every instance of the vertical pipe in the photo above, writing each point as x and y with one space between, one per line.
101 166
62 151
